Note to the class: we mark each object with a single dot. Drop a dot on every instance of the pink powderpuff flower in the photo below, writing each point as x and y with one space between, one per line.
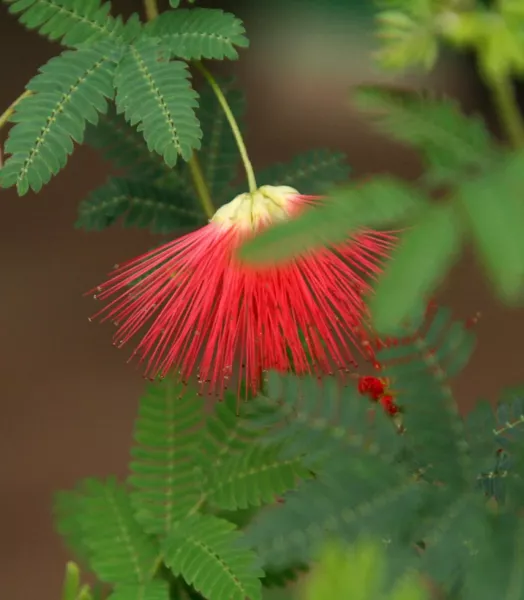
204 313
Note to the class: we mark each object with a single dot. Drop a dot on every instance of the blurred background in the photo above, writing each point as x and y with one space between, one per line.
68 397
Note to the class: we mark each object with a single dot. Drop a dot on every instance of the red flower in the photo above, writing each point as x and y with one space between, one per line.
203 312
388 404
378 391
374 387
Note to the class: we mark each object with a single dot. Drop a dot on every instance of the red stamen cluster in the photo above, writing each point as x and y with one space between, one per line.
377 390
200 312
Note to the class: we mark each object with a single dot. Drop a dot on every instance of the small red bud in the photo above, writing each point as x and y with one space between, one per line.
388 404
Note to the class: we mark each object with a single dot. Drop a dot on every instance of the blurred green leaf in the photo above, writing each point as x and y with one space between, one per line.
358 573
71 589
512 9
408 37
497 36
139 204
71 582
451 143
381 202
494 210
417 265
312 172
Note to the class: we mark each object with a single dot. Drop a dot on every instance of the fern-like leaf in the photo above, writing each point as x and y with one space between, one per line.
124 146
157 94
226 434
239 472
67 514
420 370
206 551
70 90
153 590
310 173
164 469
120 551
497 568
255 477
438 444
495 439
73 22
193 34
366 491
452 144
140 205
510 415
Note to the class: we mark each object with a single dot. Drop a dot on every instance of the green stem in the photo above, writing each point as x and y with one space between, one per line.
233 124
507 109
5 116
200 186
151 8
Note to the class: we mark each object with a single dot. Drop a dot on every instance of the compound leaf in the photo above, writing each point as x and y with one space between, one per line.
120 551
73 22
70 90
421 260
140 205
157 94
193 34
164 470
207 552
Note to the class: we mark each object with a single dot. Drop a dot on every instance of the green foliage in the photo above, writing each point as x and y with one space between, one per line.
72 590
346 497
420 482
69 91
193 34
381 202
151 194
164 473
279 578
153 590
67 512
207 552
418 264
312 172
254 477
453 146
410 33
495 33
496 570
185 469
238 473
162 210
156 94
459 154
358 572
359 473
124 146
496 226
409 37
72 22
228 503
458 151
153 92
120 551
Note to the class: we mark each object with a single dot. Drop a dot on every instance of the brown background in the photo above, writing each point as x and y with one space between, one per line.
68 398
